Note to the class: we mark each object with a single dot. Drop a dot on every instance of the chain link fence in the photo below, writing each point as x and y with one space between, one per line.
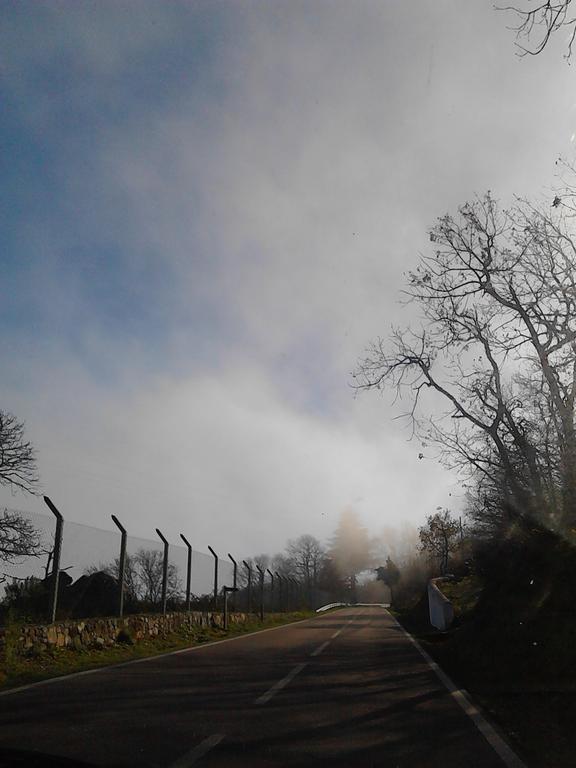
83 571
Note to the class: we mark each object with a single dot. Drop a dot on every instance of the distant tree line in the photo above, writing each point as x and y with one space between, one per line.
143 573
330 569
497 346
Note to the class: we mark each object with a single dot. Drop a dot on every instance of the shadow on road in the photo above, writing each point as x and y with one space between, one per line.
20 758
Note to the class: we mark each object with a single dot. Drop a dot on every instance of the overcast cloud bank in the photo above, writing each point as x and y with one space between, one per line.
210 211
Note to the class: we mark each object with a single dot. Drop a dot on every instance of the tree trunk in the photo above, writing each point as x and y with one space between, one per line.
569 476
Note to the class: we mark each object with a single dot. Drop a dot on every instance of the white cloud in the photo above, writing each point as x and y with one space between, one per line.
285 186
223 459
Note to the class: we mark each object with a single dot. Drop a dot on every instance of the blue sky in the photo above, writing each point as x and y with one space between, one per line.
207 211
67 223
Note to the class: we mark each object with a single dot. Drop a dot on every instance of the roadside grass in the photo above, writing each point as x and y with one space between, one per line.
22 669
512 679
463 593
512 646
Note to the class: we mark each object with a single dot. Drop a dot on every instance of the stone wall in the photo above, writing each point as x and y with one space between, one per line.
103 632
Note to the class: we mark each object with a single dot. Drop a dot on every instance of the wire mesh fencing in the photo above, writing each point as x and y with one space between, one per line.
75 570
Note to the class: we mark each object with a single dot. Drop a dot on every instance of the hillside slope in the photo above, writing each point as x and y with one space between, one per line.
513 644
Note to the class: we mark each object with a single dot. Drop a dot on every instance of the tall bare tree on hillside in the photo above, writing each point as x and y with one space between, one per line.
497 344
18 537
17 456
537 23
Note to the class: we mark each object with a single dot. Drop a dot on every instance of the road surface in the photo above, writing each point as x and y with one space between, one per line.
347 688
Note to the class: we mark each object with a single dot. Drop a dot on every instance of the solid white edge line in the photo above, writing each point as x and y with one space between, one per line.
192 648
199 751
265 698
502 749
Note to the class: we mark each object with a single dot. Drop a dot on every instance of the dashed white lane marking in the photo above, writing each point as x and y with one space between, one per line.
192 757
320 648
506 753
350 621
280 684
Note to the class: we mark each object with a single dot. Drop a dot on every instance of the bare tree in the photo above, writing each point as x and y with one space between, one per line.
18 539
440 537
262 561
498 301
132 585
536 25
305 557
283 564
148 566
243 573
17 456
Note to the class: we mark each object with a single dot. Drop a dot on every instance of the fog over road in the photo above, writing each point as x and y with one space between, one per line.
347 688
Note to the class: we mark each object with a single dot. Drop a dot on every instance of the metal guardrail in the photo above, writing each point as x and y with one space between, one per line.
352 605
440 608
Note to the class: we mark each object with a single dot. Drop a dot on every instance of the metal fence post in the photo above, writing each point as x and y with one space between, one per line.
121 564
235 579
215 578
227 591
188 571
271 589
56 558
164 570
249 586
261 572
225 609
280 602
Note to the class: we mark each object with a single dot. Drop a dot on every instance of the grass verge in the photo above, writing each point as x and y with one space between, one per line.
20 670
521 673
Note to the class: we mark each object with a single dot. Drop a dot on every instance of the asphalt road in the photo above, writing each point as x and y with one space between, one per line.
345 689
